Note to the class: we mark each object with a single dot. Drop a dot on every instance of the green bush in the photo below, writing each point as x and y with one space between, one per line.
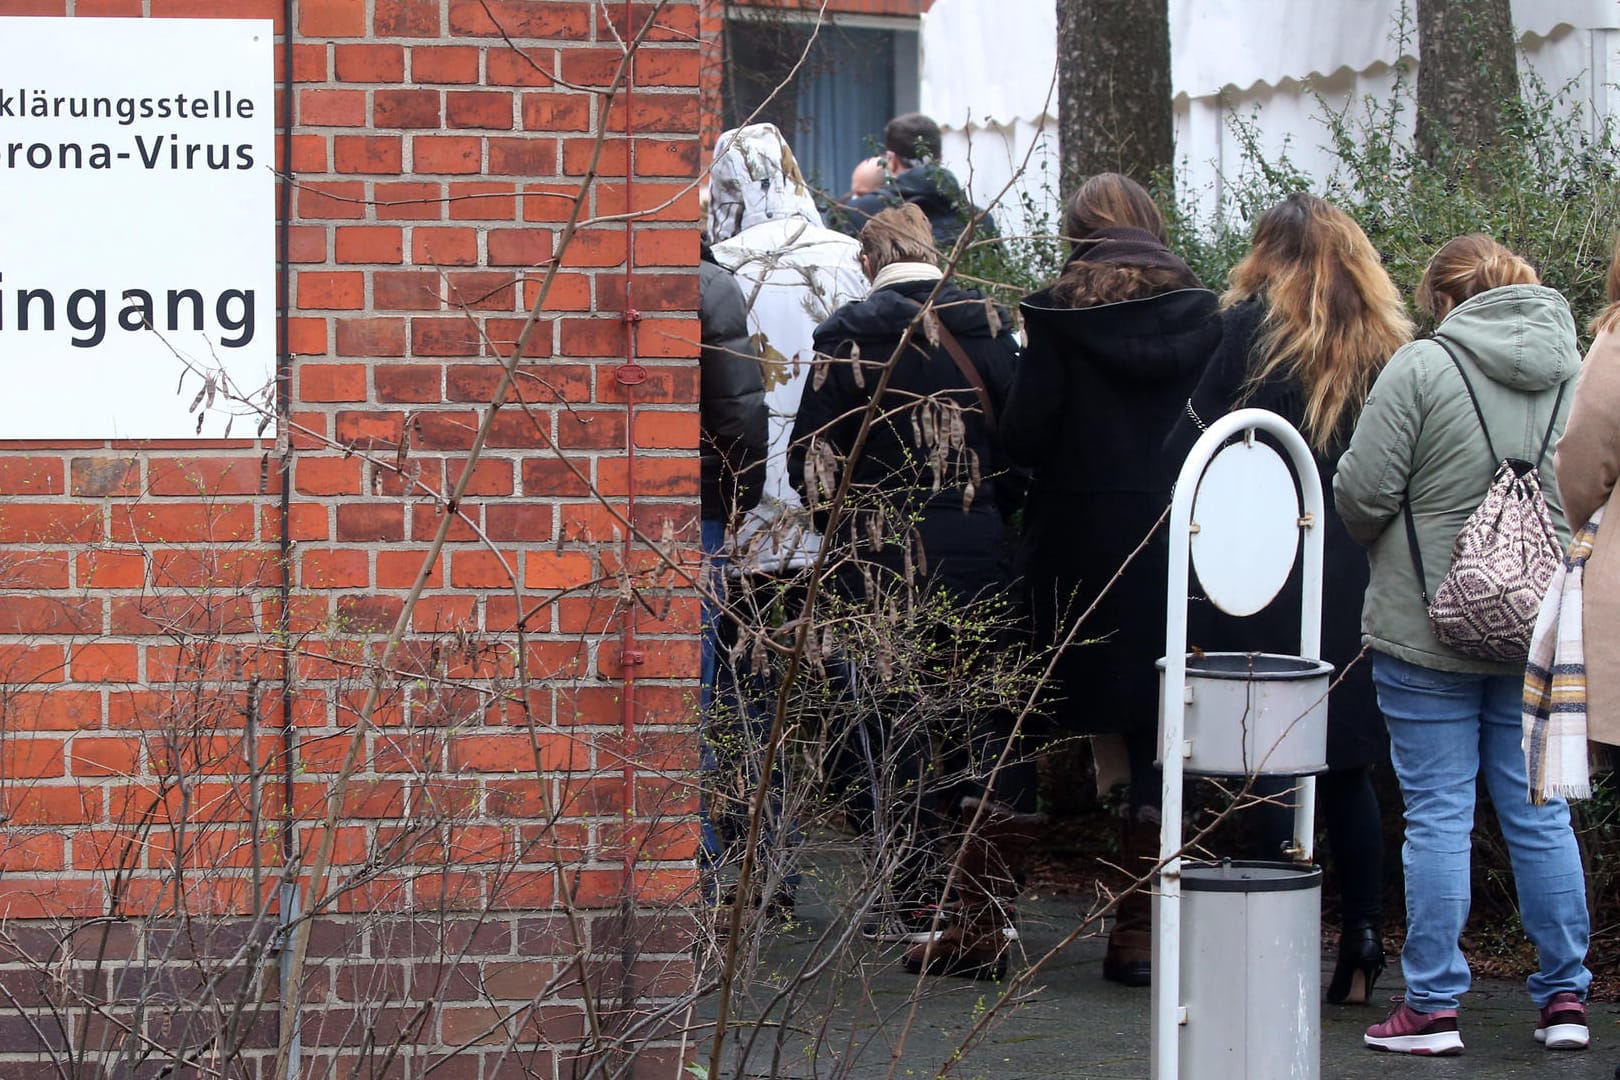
1549 192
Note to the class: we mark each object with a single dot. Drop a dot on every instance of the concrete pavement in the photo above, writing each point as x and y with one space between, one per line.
850 1017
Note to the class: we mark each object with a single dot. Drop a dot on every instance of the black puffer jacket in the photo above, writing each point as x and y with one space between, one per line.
1097 391
959 531
933 190
731 398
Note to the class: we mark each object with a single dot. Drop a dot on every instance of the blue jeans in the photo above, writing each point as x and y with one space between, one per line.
714 582
1446 729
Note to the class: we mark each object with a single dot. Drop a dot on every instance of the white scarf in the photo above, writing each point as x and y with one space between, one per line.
1555 754
899 272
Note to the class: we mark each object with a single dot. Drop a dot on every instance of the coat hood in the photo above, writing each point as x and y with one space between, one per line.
932 189
1522 336
1158 338
756 179
887 311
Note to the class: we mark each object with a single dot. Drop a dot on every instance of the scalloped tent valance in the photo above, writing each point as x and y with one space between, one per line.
1216 44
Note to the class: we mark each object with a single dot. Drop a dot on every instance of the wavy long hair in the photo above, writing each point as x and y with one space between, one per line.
1333 316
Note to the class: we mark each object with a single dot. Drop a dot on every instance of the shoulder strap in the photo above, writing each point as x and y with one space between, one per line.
971 373
1546 439
1473 397
964 364
1412 544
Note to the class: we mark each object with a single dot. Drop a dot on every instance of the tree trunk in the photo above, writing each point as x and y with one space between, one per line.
1468 76
1114 89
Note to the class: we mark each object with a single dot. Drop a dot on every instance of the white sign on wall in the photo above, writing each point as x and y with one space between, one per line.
137 225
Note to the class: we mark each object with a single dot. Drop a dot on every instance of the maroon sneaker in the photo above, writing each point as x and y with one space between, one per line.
1563 1023
1407 1031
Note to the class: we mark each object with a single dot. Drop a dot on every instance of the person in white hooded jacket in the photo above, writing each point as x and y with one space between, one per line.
764 227
794 272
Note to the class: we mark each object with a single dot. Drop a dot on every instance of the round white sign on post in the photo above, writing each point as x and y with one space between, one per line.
1246 535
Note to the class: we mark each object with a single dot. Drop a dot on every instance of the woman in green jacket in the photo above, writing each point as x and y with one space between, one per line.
1453 718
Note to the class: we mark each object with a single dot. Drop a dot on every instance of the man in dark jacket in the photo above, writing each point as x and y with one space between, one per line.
911 152
732 421
731 400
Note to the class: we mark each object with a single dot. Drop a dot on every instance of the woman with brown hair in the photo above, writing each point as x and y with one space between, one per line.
1115 346
1491 384
1309 317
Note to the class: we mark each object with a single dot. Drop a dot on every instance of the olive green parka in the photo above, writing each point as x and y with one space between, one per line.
1419 436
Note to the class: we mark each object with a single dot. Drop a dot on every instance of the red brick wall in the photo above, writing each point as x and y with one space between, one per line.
143 769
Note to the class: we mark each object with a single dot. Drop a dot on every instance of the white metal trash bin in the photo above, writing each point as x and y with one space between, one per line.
1236 955
1250 971
1255 713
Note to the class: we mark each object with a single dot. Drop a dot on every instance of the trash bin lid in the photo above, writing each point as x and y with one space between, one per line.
1248 876
1252 667
1247 513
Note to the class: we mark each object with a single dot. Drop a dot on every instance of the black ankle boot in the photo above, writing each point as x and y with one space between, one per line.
1361 961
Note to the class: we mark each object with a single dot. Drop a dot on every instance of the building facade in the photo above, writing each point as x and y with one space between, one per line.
364 746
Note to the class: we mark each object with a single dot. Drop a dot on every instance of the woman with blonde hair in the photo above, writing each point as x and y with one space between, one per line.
1115 346
1491 384
1309 318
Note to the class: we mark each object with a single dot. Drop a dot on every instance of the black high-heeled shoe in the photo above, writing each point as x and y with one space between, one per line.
1360 962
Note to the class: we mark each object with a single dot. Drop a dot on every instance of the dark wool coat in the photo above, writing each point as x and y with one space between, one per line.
961 538
1096 393
1356 733
731 399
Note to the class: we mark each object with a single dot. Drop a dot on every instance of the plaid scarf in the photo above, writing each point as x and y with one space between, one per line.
1555 683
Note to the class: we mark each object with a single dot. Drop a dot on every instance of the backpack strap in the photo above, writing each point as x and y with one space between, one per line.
1546 440
1412 545
1473 397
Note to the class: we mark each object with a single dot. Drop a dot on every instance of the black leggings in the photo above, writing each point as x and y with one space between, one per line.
1346 807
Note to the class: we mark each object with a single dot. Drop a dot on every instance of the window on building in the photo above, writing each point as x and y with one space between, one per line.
856 73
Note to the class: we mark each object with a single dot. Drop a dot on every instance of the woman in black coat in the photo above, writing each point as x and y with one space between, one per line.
1114 349
919 554
1310 318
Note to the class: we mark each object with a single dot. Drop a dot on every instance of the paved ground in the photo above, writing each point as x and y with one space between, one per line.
1071 1023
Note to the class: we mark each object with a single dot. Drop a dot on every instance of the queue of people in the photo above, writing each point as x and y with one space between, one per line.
928 464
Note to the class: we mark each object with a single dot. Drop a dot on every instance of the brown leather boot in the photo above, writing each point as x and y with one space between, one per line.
1129 959
989 867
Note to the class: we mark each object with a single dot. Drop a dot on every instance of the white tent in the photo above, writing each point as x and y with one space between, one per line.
988 78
